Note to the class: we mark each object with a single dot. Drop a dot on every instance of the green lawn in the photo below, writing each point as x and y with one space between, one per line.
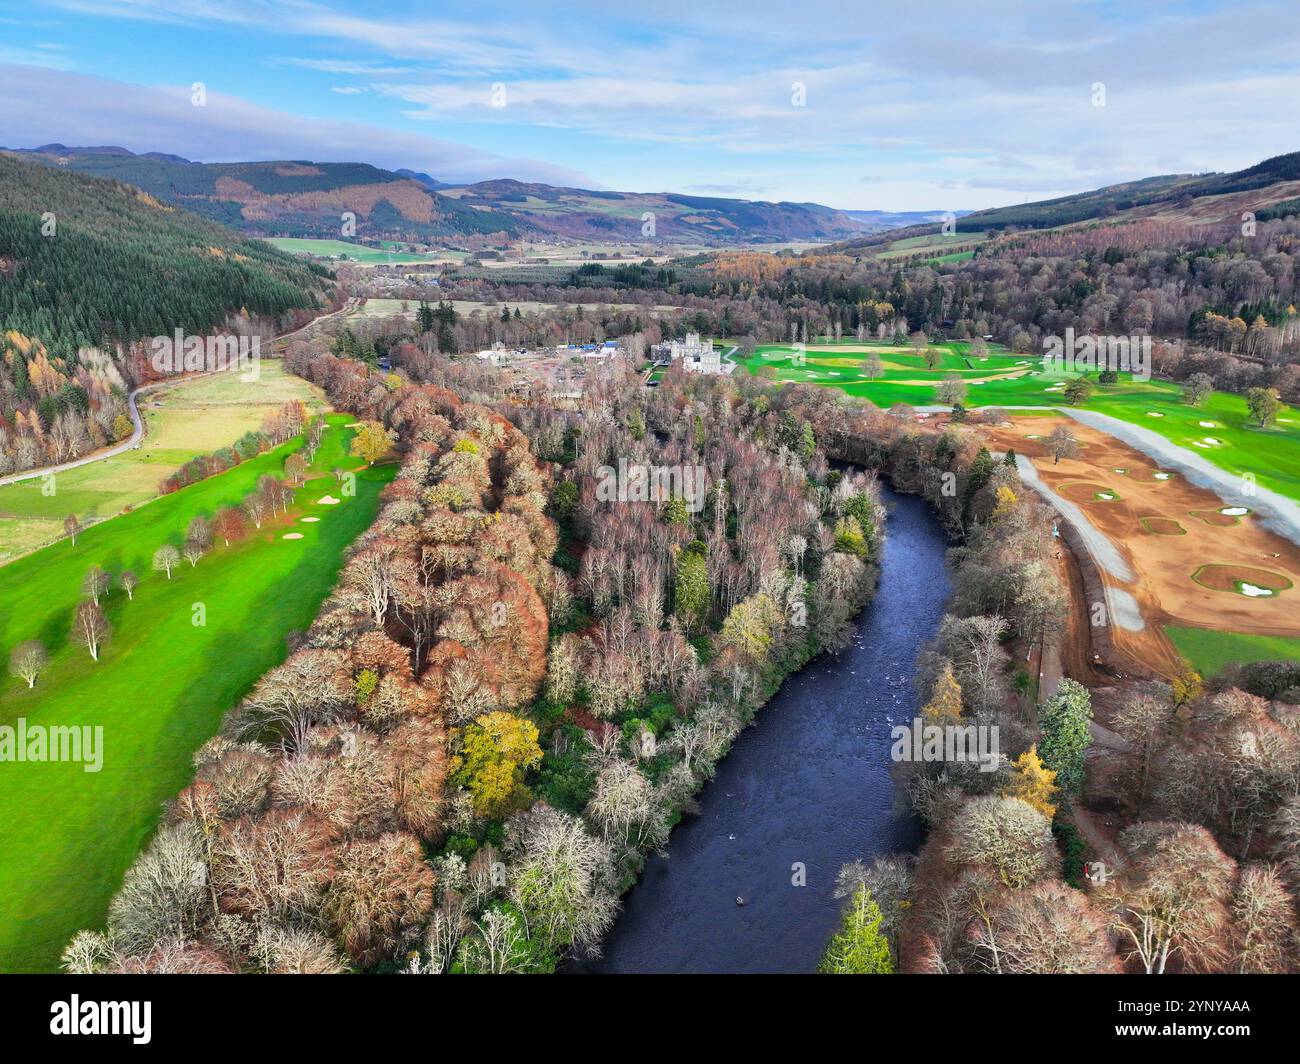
355 252
161 685
1210 651
1231 440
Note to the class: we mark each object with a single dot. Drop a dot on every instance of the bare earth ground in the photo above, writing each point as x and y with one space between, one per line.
1161 565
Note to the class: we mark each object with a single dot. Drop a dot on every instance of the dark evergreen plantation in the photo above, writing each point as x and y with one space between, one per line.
121 266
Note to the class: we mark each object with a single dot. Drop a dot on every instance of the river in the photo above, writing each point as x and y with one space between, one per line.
809 784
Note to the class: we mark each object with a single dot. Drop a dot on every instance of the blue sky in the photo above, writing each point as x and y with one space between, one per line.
920 105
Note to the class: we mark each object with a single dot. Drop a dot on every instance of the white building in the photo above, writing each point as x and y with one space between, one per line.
698 356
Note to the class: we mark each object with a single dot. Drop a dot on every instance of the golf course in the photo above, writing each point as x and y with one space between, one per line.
183 650
1220 429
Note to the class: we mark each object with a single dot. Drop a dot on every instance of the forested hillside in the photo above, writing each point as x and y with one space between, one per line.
88 267
118 265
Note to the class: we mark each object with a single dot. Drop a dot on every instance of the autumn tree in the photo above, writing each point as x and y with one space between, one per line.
72 527
1005 836
496 750
90 628
28 660
1034 783
165 559
228 525
380 896
372 441
95 583
944 705
1145 720
295 468
1062 443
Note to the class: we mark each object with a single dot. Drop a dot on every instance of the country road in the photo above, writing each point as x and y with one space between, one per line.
137 433
137 423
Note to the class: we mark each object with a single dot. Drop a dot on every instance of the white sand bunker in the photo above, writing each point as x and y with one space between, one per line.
1163 476
1105 495
1032 436
1213 441
1253 591
310 520
292 535
1208 424
1120 471
1234 511
328 500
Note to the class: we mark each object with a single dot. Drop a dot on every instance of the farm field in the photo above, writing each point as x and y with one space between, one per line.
385 308
191 417
1203 571
360 253
1220 430
162 682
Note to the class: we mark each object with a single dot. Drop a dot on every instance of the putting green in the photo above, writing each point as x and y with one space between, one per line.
161 685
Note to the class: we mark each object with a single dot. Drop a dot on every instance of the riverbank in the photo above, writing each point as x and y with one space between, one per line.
803 790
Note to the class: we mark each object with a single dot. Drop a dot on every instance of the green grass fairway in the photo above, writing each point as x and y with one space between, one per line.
1210 651
1231 441
161 685
355 252
189 418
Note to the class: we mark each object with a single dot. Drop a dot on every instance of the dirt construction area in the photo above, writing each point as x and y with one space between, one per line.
1184 555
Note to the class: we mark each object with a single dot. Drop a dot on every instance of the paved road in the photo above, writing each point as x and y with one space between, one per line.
137 424
137 433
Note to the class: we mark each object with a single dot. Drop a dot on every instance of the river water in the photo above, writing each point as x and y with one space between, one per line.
808 785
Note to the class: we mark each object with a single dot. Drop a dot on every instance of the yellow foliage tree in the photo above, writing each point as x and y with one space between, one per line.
496 750
1034 783
1006 502
372 441
944 706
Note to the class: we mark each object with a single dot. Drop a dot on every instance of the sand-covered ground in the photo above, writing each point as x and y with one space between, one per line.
1163 531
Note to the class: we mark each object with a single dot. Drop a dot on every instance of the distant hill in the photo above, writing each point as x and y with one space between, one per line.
885 220
84 261
306 199
1193 197
1269 189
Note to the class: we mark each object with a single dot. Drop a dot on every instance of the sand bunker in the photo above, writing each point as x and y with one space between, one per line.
1154 413
1163 526
1214 517
310 520
292 535
1234 511
1164 476
1243 579
1208 424
328 500
1083 491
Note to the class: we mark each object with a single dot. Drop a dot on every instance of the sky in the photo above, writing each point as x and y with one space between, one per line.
917 105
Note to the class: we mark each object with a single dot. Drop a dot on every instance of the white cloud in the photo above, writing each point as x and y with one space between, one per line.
44 106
